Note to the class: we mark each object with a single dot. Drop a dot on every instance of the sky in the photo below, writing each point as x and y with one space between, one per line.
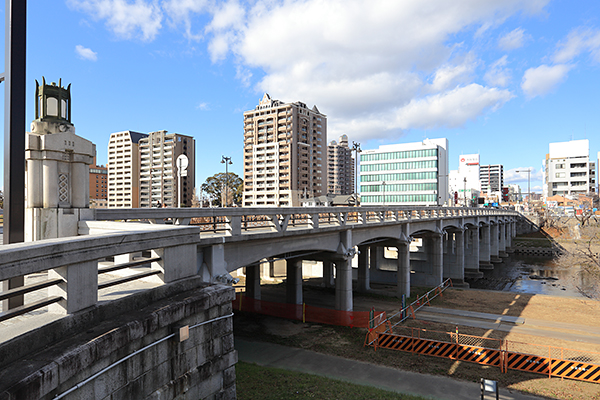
501 79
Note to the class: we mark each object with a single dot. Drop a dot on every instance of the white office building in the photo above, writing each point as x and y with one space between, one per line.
405 174
464 183
569 170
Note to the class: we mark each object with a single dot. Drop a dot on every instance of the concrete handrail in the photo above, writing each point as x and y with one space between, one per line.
75 259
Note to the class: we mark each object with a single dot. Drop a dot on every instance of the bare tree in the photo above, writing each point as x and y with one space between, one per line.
583 253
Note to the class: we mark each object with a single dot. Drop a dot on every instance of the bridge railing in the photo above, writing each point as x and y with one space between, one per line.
235 221
72 263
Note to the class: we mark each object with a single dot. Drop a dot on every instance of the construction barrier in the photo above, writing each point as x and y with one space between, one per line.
306 313
559 362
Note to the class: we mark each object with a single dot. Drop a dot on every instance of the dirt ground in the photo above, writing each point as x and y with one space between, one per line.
347 342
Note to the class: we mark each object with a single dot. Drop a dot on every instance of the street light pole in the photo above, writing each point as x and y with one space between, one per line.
528 182
227 161
356 149
465 191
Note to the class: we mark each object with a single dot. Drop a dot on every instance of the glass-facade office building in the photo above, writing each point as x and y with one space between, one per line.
405 174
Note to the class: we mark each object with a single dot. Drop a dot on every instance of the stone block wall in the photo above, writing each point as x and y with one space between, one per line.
137 355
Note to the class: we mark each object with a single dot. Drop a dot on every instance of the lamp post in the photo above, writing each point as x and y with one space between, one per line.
383 187
465 190
528 181
227 161
356 149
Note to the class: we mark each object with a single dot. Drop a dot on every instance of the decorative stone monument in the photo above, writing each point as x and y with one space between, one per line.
57 167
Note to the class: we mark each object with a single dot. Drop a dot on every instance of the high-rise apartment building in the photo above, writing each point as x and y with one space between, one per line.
569 170
159 177
492 178
98 185
405 174
284 153
124 169
340 167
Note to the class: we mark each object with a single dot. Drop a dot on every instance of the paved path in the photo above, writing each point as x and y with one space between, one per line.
391 379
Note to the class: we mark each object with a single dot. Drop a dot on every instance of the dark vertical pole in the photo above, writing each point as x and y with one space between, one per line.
14 131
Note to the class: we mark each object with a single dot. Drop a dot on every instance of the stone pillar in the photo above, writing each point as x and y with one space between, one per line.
294 281
484 246
80 192
253 281
364 284
403 276
373 260
509 234
50 183
472 252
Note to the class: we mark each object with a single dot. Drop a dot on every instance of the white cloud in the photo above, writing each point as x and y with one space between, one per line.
512 176
202 106
541 80
498 74
182 11
512 40
578 41
139 19
85 53
450 75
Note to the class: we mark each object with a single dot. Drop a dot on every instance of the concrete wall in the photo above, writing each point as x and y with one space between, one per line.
203 366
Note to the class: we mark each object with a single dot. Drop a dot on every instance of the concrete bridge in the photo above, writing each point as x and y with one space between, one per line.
165 266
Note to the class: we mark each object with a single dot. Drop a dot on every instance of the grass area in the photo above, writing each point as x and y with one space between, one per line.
256 382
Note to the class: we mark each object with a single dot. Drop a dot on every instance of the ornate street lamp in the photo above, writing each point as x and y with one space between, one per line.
227 161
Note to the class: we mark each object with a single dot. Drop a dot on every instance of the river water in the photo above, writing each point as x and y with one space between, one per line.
534 275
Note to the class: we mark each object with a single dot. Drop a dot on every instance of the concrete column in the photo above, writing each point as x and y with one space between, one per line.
436 252
364 280
79 289
343 285
455 269
373 260
473 260
253 281
328 280
509 234
403 276
484 245
494 242
502 242
293 293
50 179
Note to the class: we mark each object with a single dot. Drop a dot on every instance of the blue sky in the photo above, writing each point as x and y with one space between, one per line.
498 78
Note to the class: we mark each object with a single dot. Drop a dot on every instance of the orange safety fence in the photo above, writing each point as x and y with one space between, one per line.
304 312
542 359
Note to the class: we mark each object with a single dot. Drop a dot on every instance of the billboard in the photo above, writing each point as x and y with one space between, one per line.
468 159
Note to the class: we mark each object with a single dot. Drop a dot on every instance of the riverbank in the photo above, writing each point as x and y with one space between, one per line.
348 342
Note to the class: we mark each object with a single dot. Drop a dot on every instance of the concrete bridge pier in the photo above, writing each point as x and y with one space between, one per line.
502 242
509 235
253 273
343 272
472 253
364 284
293 294
328 275
495 244
485 247
403 274
429 271
454 256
